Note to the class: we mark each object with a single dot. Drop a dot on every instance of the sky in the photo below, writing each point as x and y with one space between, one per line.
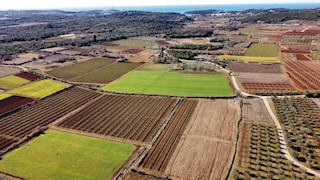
56 4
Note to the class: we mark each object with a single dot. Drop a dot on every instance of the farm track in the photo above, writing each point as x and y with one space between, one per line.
159 155
25 121
125 117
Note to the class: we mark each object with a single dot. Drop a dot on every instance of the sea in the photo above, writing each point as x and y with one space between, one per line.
185 8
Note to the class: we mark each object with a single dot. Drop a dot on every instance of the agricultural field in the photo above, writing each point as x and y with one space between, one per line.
28 76
4 96
107 73
28 120
61 155
259 155
248 30
254 67
80 69
300 117
135 43
254 110
172 83
154 67
305 75
207 145
6 71
250 59
39 89
13 102
262 50
10 82
159 155
128 118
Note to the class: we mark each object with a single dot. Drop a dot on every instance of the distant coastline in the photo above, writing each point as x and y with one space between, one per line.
185 8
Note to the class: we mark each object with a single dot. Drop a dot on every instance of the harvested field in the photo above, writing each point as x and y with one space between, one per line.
144 56
272 78
107 73
206 148
250 58
132 51
259 155
28 120
172 83
262 50
80 69
134 43
61 155
6 71
28 76
12 103
40 89
10 82
305 75
254 67
159 155
254 110
126 117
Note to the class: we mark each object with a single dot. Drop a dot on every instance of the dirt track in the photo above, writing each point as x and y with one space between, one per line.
207 146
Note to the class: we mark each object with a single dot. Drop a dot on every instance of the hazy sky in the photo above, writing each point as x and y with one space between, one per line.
54 4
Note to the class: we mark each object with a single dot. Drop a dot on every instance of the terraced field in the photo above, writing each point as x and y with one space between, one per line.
125 117
39 89
28 120
60 155
172 83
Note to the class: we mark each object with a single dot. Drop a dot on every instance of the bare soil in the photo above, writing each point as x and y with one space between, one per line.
5 71
255 110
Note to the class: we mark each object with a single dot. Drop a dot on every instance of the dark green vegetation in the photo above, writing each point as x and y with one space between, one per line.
97 29
190 33
197 47
300 118
183 54
60 155
281 15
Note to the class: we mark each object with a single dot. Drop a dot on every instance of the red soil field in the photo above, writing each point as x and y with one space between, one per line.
163 43
305 75
12 103
28 76
20 124
305 33
133 51
274 38
295 51
302 57
254 67
159 155
126 117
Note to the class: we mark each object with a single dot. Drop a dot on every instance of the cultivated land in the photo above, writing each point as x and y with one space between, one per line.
250 58
28 76
40 89
5 71
29 120
154 67
10 82
12 103
106 74
172 83
79 69
262 50
206 148
125 117
254 110
60 155
4 96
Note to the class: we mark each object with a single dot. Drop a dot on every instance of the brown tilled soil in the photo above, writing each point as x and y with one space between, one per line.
254 67
274 78
5 71
255 110
133 51
137 176
206 148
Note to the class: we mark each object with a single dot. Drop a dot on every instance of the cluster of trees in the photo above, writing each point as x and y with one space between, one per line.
200 67
182 54
190 33
281 15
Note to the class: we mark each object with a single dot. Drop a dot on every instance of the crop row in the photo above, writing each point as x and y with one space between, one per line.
128 117
12 103
301 119
27 120
260 155
159 155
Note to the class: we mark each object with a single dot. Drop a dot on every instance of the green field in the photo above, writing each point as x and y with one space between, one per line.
60 155
250 59
12 81
107 74
262 50
39 89
4 96
155 67
172 83
81 68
